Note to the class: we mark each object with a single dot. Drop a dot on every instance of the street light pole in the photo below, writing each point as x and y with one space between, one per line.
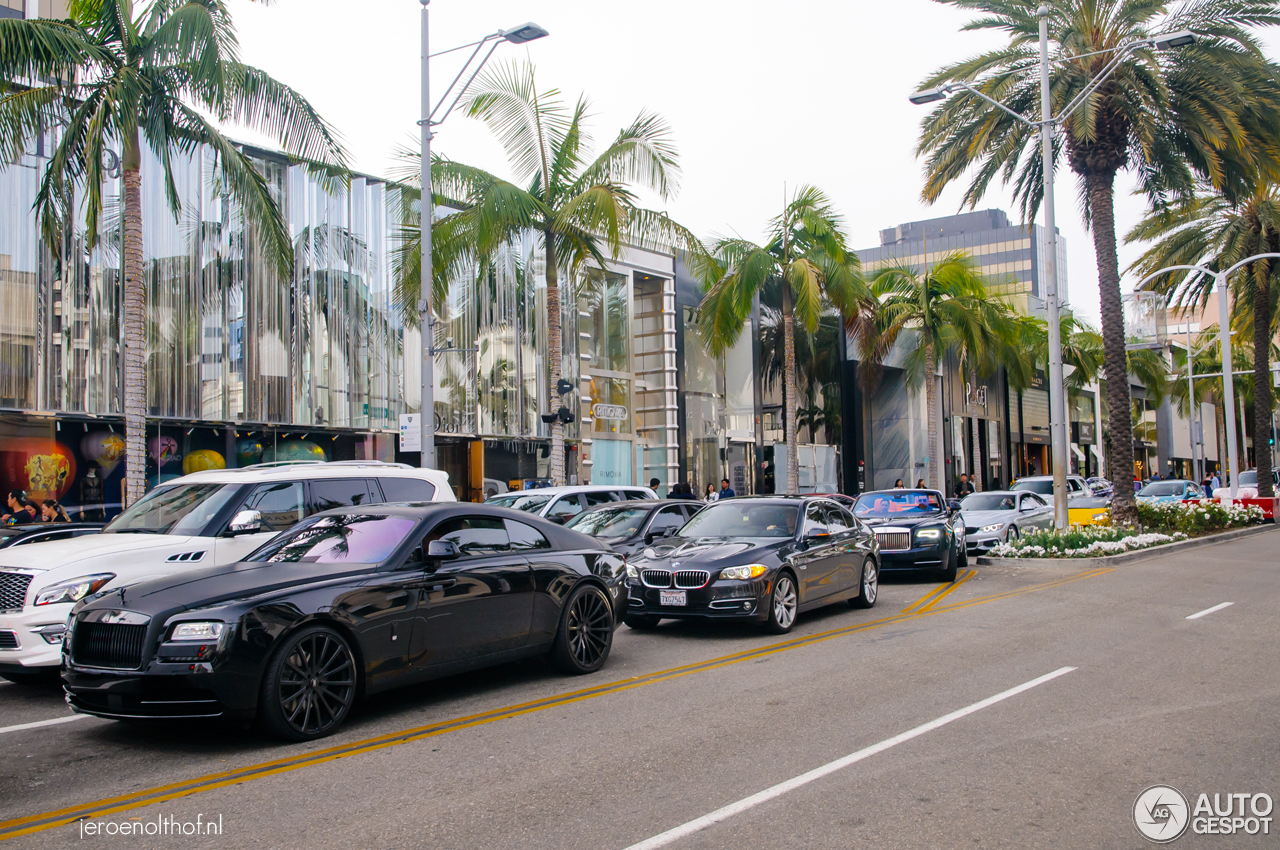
1057 392
427 416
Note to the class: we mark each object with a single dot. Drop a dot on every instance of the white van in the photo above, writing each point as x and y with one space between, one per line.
200 520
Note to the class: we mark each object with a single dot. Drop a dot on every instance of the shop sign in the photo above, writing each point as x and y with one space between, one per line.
614 412
410 433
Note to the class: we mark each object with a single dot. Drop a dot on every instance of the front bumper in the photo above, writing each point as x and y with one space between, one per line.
33 652
919 558
980 544
719 600
163 690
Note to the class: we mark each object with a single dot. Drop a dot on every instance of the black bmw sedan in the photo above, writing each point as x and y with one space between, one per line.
755 558
916 530
630 526
347 603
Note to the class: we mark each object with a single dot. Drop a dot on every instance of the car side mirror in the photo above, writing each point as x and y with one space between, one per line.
559 519
442 550
245 522
658 534
954 506
816 534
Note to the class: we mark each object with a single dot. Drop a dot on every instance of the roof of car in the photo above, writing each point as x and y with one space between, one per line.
306 470
419 510
647 504
577 488
900 490
1041 478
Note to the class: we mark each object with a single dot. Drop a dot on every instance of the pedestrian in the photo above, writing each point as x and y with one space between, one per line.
1214 482
20 510
726 492
710 495
654 484
51 511
920 484
964 488
683 491
898 485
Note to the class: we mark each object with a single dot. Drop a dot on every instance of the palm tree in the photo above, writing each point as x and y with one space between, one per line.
948 306
157 76
1209 109
584 210
1216 232
806 255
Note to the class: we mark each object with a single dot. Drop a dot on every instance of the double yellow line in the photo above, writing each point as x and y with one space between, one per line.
111 805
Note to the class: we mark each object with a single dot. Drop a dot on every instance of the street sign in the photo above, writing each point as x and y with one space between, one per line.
410 433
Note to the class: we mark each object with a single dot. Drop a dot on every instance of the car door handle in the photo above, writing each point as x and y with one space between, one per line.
441 583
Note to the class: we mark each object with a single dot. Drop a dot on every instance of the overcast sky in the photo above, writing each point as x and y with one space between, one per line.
759 95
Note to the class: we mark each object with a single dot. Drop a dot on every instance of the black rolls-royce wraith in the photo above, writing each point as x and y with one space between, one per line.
346 603
916 530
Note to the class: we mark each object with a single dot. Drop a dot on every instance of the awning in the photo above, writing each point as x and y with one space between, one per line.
1075 450
1093 450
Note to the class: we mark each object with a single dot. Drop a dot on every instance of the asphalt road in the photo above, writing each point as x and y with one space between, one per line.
690 719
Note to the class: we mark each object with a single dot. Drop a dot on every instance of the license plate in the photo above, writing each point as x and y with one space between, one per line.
672 597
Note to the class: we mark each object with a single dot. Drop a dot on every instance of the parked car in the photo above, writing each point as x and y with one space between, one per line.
558 504
1248 486
1043 486
630 526
1173 490
757 558
1001 516
348 603
204 519
915 529
1099 486
42 532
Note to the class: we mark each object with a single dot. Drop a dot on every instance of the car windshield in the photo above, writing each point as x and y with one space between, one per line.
609 522
741 519
1249 479
181 509
897 503
988 502
1043 486
1163 488
531 502
342 539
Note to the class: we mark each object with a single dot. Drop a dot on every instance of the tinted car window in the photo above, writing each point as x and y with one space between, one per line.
355 539
180 509
635 494
473 535
565 506
815 520
988 502
338 493
672 517
1034 501
524 537
838 520
741 518
280 504
528 502
600 497
620 521
1043 486
407 490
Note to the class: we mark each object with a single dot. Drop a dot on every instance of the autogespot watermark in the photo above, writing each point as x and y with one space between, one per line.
159 825
1162 814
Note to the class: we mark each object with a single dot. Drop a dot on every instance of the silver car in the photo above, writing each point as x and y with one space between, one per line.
998 516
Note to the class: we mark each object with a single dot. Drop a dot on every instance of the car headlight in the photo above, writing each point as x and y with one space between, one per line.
928 533
742 573
988 529
74 590
206 631
632 572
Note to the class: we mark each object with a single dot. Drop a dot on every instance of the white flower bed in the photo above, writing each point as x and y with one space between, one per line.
1098 547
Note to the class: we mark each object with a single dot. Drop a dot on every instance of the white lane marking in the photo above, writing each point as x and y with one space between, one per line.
817 773
1209 611
36 725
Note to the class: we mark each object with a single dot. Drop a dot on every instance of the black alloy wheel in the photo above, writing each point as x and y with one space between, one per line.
585 636
784 601
641 622
310 685
869 589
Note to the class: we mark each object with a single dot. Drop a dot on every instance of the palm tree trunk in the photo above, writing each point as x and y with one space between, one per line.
555 353
1262 376
1101 191
135 328
930 402
789 387
976 478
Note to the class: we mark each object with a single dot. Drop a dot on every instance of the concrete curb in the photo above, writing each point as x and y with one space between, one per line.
1126 557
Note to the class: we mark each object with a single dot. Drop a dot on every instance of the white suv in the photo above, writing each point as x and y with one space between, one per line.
558 504
200 520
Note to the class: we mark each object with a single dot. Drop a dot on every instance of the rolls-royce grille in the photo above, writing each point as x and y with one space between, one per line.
891 540
13 590
108 645
8 640
692 578
656 578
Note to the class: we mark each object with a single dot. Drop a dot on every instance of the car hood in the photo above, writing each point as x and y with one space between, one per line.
217 585
977 519
904 520
78 552
707 552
